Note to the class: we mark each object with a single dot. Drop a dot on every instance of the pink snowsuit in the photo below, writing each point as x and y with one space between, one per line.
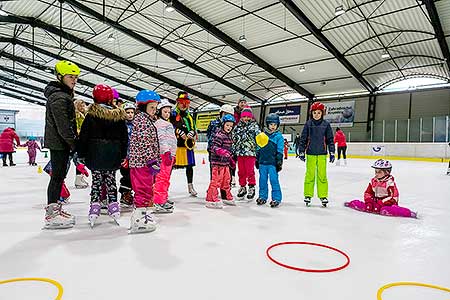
220 161
168 149
143 149
381 197
32 146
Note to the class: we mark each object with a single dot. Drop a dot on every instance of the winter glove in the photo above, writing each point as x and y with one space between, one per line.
167 158
125 164
191 134
331 157
223 152
279 165
232 163
82 169
180 133
154 167
302 156
257 164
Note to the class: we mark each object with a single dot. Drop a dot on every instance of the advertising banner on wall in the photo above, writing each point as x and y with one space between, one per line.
203 120
288 114
340 114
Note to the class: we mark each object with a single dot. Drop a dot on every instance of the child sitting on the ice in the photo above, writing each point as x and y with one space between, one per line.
32 146
381 196
220 160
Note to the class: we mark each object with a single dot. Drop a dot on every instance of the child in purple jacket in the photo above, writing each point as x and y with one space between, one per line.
32 146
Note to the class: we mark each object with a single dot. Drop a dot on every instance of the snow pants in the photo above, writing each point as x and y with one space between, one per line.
142 183
31 156
316 164
106 179
388 210
220 179
162 181
269 172
246 170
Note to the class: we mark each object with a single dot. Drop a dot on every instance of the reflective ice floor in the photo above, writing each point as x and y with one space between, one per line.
199 253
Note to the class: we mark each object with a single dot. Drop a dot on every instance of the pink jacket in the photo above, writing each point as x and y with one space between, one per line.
7 140
339 138
382 190
32 146
166 137
144 144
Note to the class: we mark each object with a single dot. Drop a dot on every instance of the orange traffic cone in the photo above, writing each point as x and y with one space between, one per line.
203 161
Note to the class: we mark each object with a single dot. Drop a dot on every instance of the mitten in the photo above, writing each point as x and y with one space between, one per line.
223 152
125 164
279 165
332 158
82 169
167 158
232 163
191 134
302 156
154 167
180 133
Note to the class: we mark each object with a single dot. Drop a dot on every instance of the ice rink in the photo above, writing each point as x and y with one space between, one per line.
199 253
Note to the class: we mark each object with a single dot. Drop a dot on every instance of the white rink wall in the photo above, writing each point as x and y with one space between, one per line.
403 150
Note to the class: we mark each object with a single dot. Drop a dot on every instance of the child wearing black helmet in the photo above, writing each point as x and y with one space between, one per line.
269 160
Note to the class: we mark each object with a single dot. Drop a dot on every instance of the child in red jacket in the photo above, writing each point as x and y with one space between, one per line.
340 139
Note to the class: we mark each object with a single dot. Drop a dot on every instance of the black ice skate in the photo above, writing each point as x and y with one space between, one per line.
274 203
261 201
324 201
307 201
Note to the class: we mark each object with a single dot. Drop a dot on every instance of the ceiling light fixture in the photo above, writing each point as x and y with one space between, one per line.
340 10
242 39
385 54
180 58
111 37
48 70
243 79
169 7
199 87
302 68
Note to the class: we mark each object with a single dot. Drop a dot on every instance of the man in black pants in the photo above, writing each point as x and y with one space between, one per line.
60 134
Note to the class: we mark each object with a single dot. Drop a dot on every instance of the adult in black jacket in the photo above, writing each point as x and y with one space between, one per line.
103 145
60 134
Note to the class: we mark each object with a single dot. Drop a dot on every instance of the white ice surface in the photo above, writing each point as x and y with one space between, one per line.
199 253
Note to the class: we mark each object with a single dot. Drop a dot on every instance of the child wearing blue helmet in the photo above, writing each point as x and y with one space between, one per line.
269 160
221 159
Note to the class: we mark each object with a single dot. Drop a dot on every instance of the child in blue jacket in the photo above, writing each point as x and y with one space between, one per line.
316 139
269 160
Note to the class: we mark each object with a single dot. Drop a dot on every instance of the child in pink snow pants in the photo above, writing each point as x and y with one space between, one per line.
32 147
168 149
144 160
381 196
221 160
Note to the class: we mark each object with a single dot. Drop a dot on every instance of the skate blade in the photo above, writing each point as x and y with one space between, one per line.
140 230
162 212
56 227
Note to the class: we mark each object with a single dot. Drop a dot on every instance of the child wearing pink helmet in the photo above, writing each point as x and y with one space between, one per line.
381 195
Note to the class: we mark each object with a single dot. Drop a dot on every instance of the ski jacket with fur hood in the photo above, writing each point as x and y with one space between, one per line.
103 138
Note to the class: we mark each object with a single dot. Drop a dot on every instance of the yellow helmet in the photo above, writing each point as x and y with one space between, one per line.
65 67
262 139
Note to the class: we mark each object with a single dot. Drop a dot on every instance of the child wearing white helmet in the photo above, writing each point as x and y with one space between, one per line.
381 195
167 148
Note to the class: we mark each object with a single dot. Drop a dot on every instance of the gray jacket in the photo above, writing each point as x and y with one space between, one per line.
60 124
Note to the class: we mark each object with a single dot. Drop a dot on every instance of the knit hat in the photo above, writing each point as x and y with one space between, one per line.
247 112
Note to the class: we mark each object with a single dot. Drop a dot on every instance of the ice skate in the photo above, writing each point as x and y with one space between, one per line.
126 201
241 193
141 221
80 183
56 218
251 192
170 202
191 190
261 201
274 203
229 202
233 181
324 201
307 201
114 211
94 213
165 208
214 204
